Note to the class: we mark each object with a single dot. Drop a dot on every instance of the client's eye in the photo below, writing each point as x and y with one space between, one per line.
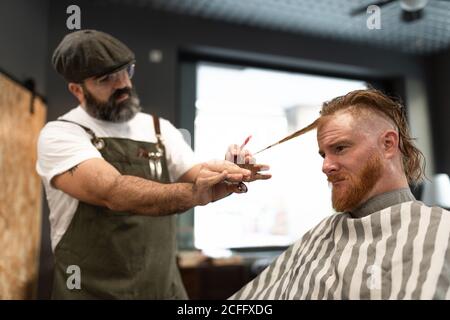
339 149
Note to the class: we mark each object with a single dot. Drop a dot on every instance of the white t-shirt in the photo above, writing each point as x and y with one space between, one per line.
63 145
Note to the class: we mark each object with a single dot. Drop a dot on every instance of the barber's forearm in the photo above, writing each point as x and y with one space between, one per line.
146 197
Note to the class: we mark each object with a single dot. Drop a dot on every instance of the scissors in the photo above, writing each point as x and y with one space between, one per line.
241 186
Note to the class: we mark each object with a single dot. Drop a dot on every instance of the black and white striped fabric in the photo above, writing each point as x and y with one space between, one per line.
399 252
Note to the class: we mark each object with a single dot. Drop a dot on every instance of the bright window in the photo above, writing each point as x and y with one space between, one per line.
234 102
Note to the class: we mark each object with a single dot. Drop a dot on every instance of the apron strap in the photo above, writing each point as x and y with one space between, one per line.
157 129
97 142
89 131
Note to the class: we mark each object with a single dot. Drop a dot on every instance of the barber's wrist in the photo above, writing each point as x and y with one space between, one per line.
184 196
196 198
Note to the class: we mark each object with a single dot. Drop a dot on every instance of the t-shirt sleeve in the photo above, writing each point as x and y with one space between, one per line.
180 157
61 146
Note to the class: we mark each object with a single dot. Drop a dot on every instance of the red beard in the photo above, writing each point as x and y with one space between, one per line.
349 194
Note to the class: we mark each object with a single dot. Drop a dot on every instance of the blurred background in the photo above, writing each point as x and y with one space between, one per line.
224 70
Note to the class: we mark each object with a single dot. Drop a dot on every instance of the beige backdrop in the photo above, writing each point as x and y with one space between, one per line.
20 191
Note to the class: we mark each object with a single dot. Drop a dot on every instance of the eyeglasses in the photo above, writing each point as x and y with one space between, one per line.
111 78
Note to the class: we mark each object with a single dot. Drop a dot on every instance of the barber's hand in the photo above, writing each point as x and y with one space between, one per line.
244 159
218 179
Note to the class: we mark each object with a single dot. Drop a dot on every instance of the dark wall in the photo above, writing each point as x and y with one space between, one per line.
155 82
23 40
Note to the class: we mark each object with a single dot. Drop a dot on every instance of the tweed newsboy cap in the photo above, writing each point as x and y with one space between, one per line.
89 53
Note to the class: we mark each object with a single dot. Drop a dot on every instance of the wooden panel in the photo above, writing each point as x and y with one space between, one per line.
20 191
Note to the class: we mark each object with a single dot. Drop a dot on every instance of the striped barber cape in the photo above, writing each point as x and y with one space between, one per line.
399 252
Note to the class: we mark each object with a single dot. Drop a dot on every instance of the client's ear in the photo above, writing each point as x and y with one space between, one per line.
390 143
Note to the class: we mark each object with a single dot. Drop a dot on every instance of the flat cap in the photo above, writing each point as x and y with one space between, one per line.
88 53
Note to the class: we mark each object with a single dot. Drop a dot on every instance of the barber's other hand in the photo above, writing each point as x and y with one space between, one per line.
244 159
218 179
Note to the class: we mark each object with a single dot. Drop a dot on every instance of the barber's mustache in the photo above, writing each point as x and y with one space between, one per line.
119 92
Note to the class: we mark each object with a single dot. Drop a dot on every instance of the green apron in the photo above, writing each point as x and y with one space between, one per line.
121 255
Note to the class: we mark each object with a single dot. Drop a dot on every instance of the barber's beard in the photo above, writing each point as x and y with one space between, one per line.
354 189
111 110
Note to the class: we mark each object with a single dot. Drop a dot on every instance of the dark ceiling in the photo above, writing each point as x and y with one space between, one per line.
324 18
